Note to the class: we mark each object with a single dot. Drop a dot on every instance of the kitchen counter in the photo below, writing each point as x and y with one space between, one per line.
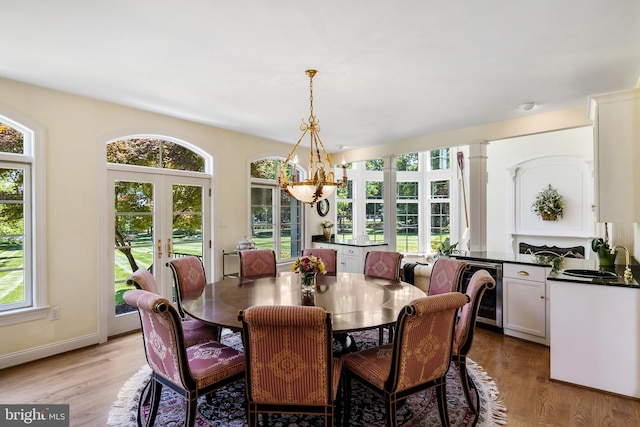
346 242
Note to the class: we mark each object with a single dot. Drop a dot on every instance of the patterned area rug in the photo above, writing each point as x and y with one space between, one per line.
367 409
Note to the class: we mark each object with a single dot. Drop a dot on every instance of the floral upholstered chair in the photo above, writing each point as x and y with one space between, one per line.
190 371
384 264
446 276
257 263
463 336
418 358
328 256
194 330
290 363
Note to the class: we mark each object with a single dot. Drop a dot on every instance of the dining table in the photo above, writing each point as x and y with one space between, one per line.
356 301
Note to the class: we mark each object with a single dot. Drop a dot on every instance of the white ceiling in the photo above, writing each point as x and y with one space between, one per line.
388 70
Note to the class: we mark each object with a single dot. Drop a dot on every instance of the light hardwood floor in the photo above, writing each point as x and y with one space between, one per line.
89 380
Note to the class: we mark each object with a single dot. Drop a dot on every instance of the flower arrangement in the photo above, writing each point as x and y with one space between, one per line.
548 204
326 224
309 264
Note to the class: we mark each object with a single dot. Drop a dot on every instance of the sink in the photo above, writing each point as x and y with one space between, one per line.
592 274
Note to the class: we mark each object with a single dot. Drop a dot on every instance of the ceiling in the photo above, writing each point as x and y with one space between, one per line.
387 70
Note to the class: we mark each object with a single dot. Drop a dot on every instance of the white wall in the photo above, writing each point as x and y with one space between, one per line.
506 153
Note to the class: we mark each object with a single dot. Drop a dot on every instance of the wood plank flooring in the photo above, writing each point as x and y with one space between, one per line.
89 380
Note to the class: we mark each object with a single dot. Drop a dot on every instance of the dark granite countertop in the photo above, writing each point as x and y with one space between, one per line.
346 242
566 264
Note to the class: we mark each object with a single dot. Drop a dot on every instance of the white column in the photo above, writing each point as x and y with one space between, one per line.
477 195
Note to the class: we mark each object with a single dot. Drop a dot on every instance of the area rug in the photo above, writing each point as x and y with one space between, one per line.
367 408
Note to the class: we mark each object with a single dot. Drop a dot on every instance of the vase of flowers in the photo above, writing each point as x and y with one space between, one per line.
326 229
308 267
548 204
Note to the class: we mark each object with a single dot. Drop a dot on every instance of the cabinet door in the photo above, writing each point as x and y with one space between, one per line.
524 306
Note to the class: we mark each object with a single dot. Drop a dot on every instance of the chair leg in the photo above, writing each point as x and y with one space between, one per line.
441 397
466 383
390 409
156 392
145 396
192 410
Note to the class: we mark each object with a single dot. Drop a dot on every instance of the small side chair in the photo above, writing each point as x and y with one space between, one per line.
257 263
446 276
328 256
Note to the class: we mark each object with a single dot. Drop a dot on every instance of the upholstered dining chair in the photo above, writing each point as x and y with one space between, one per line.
465 328
190 371
384 264
328 256
418 358
194 331
290 364
257 263
446 276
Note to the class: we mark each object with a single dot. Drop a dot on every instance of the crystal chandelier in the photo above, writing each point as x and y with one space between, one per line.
321 183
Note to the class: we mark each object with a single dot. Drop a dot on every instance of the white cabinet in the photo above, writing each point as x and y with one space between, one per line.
350 258
616 119
525 308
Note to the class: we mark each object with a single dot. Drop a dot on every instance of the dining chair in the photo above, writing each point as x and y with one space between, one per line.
328 256
190 371
418 358
386 265
257 263
464 331
446 275
290 364
194 330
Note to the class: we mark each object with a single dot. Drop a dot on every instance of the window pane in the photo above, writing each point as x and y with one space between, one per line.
440 159
12 236
267 169
187 220
346 192
11 140
440 189
154 153
262 217
290 226
407 162
440 222
375 221
374 165
375 190
407 190
345 220
407 223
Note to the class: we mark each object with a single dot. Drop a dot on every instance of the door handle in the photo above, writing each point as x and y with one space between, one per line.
169 248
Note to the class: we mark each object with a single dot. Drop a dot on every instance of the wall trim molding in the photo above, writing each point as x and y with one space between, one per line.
40 352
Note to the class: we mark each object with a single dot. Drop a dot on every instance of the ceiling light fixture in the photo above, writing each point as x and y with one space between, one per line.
321 183
527 106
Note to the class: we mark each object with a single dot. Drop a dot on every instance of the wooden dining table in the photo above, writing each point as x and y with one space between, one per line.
356 301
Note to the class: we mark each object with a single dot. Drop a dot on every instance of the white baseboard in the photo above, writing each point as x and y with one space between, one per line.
35 353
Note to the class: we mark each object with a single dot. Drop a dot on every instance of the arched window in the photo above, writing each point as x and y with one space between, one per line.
276 217
22 297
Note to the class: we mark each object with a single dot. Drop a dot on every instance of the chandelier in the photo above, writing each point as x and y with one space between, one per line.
321 183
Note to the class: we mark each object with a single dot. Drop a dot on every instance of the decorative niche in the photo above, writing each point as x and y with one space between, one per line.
572 177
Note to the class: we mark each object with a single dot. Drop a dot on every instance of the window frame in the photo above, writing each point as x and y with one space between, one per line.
35 204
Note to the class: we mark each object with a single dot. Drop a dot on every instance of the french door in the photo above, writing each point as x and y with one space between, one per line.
153 217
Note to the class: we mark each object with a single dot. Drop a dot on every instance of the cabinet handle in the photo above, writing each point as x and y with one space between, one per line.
159 248
523 273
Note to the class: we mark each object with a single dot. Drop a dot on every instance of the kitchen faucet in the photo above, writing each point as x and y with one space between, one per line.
628 276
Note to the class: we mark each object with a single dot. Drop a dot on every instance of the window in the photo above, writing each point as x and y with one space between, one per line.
407 216
276 217
344 202
22 297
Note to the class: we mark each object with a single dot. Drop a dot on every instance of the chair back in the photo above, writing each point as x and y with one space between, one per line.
463 337
143 279
328 256
257 263
289 353
446 276
188 278
383 264
163 339
424 336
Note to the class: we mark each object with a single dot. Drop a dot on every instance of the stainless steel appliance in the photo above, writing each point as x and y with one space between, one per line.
490 311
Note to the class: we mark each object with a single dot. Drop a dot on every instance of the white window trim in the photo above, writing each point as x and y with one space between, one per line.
35 154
